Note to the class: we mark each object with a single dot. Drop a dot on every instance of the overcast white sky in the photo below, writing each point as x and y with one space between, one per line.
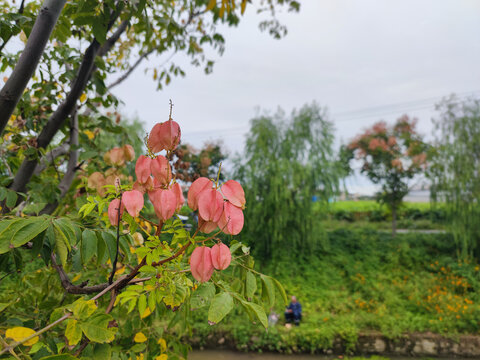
346 55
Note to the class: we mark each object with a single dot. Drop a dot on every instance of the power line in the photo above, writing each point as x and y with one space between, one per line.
363 113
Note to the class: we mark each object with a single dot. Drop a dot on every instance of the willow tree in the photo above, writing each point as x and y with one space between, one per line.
287 161
455 171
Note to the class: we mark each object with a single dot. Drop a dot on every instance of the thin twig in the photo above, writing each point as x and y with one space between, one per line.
177 254
67 284
114 265
39 332
5 344
113 296
83 345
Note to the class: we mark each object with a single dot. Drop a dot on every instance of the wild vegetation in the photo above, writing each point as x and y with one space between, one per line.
365 281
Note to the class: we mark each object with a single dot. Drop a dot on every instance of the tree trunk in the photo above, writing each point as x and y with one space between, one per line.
25 172
394 220
28 61
72 168
65 109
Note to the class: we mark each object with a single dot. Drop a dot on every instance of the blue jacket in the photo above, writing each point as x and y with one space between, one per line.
296 309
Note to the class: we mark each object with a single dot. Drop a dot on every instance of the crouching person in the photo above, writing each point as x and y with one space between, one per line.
293 314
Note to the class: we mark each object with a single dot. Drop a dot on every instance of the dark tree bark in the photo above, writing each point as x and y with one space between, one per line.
25 172
72 168
28 61
65 109
50 157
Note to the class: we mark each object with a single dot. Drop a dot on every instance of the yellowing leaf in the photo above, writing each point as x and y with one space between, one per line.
19 333
120 271
243 6
73 332
23 37
140 337
148 227
211 5
89 134
170 300
161 357
146 313
163 344
77 277
138 239
83 97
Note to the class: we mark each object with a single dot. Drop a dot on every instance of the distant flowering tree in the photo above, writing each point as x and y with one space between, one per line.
391 156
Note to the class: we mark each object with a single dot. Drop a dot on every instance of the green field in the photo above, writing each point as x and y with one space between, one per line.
371 205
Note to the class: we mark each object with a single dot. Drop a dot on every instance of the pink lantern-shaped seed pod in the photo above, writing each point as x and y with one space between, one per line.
164 203
113 211
231 221
206 227
161 170
142 169
201 264
128 152
164 136
133 201
117 156
177 189
233 192
210 205
145 187
197 187
221 256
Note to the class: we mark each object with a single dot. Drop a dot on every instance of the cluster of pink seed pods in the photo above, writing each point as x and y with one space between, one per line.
218 206
223 209
165 195
204 260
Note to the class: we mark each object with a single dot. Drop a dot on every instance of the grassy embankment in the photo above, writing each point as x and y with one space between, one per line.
363 281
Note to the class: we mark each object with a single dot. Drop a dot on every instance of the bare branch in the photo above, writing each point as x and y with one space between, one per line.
145 55
50 157
107 46
67 284
72 167
131 69
64 110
